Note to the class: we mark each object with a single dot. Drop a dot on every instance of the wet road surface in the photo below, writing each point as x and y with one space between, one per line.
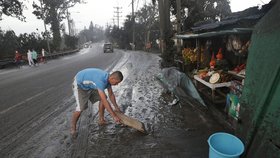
179 130
173 131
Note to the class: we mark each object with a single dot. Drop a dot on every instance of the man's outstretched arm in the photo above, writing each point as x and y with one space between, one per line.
113 99
107 106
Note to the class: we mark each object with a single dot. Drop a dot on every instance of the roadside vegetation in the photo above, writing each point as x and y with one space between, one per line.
146 29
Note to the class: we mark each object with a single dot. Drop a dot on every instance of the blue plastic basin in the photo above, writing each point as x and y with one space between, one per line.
224 145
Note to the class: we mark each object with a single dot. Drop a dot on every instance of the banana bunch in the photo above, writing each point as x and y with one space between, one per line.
202 56
190 55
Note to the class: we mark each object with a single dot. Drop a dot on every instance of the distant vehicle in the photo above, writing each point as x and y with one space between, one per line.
108 47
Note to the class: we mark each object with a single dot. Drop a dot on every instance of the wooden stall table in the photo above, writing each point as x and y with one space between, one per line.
213 87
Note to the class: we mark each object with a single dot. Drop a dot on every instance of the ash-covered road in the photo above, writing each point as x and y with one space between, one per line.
36 118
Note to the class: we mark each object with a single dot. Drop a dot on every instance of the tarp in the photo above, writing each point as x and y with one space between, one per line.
179 84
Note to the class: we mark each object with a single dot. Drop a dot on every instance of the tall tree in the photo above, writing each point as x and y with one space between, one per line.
201 10
193 11
31 41
146 29
11 8
91 31
8 43
128 31
91 26
166 34
53 12
147 17
94 33
71 41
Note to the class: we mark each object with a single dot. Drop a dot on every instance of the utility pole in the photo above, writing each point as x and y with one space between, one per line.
69 27
178 25
113 20
165 29
133 26
48 44
162 25
118 15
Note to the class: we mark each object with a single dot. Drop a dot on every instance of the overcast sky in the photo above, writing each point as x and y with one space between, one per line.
100 12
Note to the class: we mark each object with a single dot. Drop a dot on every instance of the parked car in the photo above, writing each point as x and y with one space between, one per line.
108 47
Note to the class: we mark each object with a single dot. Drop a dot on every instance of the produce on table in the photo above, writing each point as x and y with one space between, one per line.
190 55
219 55
238 68
212 62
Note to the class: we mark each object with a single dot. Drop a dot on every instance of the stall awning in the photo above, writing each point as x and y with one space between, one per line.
216 33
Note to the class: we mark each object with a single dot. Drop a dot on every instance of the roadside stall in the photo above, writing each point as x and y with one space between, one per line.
214 55
219 58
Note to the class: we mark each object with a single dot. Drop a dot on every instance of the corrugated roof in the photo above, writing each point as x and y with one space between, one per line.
216 33
228 22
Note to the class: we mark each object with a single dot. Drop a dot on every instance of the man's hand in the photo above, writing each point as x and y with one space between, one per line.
117 119
118 109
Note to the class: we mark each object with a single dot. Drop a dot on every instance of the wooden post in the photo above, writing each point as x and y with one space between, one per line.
198 55
178 25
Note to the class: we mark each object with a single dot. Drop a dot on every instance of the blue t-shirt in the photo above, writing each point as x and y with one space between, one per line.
93 78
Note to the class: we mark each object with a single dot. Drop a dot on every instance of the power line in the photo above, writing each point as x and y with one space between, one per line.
118 14
137 5
133 26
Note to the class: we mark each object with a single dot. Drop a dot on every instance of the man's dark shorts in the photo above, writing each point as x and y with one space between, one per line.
83 96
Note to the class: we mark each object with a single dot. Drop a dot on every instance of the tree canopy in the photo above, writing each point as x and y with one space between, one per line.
11 8
146 29
53 12
94 33
201 10
9 43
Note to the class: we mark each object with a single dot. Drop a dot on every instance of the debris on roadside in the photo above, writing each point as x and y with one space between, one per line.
178 84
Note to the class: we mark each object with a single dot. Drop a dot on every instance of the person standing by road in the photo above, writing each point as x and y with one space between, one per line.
34 57
29 58
43 58
18 59
90 84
